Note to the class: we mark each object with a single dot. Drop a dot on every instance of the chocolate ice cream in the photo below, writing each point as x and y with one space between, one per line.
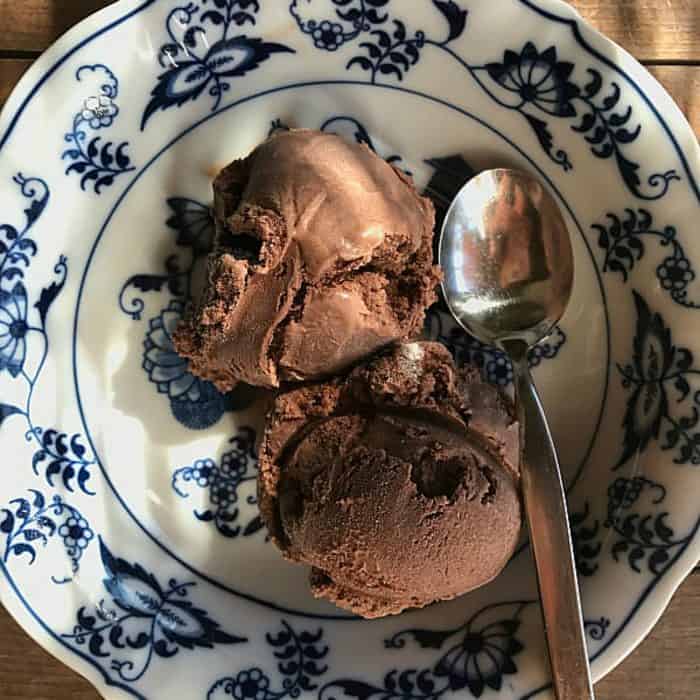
398 484
322 256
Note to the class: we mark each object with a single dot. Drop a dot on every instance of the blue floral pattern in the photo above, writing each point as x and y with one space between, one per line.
143 620
97 163
299 664
637 527
237 467
622 238
56 452
534 82
13 329
495 366
332 24
475 656
658 368
27 524
194 403
202 57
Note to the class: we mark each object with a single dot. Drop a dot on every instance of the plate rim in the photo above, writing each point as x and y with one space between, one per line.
652 604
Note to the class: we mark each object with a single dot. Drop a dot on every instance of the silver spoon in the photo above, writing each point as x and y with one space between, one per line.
508 272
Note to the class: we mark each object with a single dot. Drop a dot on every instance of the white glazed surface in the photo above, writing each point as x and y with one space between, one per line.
152 559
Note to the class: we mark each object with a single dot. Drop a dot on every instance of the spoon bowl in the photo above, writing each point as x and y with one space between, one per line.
506 257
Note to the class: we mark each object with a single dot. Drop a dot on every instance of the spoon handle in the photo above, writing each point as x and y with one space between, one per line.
548 522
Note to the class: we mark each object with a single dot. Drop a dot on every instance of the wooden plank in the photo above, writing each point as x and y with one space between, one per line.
27 672
11 70
649 29
666 665
33 25
683 84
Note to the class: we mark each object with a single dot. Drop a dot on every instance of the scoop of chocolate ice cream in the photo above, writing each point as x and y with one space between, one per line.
398 484
322 256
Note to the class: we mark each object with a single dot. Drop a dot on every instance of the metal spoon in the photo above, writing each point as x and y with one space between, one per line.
508 272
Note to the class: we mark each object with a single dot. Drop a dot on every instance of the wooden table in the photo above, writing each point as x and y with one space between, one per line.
663 35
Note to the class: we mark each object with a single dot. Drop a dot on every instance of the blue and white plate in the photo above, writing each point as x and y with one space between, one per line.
130 543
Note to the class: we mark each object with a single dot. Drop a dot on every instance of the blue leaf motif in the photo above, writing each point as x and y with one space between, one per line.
178 622
98 163
38 521
175 87
237 56
131 586
21 548
189 77
8 522
6 411
190 627
656 362
168 620
302 649
225 58
455 16
193 223
133 594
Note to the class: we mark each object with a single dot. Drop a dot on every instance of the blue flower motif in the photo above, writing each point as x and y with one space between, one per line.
250 685
201 58
482 658
97 161
537 78
234 463
223 493
223 481
300 652
13 329
675 273
194 403
203 471
499 370
166 369
99 111
328 35
147 619
76 534
29 522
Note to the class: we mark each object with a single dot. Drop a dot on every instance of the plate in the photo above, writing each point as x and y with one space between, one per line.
131 544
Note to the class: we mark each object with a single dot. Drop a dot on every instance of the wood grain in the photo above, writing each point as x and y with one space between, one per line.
11 70
651 30
33 25
665 666
27 672
683 84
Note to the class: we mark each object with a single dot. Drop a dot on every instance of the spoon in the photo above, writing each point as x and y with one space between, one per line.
508 272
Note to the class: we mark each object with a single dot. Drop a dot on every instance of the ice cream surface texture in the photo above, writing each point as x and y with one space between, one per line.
323 255
397 484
